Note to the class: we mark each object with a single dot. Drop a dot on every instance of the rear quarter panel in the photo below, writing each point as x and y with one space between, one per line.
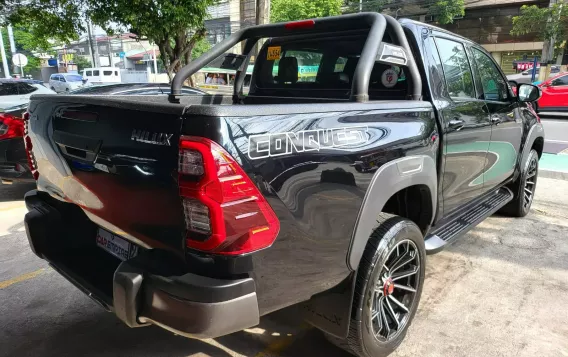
315 168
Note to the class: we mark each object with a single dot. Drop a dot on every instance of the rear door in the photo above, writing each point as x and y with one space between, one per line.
507 124
467 128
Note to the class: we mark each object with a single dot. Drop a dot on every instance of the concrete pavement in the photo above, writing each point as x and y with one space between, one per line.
498 291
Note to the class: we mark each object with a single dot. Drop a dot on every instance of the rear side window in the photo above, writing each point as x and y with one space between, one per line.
25 88
107 73
96 73
89 73
562 81
323 67
8 89
492 82
457 71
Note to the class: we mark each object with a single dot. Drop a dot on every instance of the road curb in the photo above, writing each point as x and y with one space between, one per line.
558 175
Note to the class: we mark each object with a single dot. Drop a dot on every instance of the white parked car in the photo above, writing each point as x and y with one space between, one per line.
16 92
65 82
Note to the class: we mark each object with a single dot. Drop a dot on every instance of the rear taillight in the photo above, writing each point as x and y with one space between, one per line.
11 127
32 163
225 213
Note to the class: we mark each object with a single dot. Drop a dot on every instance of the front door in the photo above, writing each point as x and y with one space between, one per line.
507 125
555 94
467 128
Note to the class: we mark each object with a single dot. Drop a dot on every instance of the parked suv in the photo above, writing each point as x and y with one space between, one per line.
65 82
201 213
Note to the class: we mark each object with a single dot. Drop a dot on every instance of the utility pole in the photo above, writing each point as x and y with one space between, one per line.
262 17
4 59
90 40
360 5
155 63
548 49
13 47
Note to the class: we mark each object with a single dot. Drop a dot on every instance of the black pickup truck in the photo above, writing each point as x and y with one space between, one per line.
200 214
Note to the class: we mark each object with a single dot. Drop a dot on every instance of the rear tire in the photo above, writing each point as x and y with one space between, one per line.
383 290
524 188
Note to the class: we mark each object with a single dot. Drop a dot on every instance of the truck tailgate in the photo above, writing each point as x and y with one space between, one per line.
116 158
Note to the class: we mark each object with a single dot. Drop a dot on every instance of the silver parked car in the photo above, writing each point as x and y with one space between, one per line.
66 82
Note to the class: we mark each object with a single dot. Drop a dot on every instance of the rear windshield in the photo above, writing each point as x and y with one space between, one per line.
324 65
73 78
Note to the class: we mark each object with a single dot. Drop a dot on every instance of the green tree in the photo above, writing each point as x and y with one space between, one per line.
200 48
82 62
547 22
175 26
290 10
446 10
24 45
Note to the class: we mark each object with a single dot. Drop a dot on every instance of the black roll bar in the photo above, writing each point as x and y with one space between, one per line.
375 22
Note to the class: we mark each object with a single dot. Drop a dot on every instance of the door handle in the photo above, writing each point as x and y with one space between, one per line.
456 124
495 119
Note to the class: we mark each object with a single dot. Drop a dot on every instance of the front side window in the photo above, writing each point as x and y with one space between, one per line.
492 82
457 71
25 88
561 81
89 73
74 78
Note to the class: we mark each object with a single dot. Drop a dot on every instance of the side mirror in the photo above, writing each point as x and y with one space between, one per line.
528 92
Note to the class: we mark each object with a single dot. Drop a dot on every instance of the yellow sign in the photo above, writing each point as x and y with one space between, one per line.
273 53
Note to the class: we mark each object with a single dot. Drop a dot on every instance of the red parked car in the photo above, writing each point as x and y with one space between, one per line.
554 94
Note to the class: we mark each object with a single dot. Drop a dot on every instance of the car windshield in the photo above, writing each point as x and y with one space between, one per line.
74 78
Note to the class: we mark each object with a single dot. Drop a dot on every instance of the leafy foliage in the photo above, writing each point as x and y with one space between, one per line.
81 62
175 26
446 10
290 10
547 23
200 48
46 20
24 44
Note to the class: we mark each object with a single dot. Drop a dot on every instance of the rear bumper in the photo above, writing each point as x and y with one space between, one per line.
13 161
148 289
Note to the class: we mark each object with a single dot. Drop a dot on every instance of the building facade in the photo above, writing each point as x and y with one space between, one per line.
489 23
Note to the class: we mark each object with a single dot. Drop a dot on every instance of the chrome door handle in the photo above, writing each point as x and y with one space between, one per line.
456 124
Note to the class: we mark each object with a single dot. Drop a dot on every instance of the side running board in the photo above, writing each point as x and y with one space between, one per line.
455 226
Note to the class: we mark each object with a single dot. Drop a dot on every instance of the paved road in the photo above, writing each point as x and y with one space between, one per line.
501 290
556 130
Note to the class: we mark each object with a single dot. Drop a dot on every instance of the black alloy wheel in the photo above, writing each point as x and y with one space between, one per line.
530 182
395 291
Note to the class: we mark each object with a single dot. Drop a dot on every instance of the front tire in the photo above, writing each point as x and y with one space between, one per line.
388 288
524 189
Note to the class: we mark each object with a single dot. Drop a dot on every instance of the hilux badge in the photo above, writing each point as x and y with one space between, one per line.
151 138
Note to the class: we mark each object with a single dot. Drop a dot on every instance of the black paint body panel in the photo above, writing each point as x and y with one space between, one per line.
315 189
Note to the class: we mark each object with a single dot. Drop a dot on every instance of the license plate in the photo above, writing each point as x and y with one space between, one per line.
119 247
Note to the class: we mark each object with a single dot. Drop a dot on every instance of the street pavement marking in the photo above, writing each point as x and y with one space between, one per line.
23 277
280 344
11 207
